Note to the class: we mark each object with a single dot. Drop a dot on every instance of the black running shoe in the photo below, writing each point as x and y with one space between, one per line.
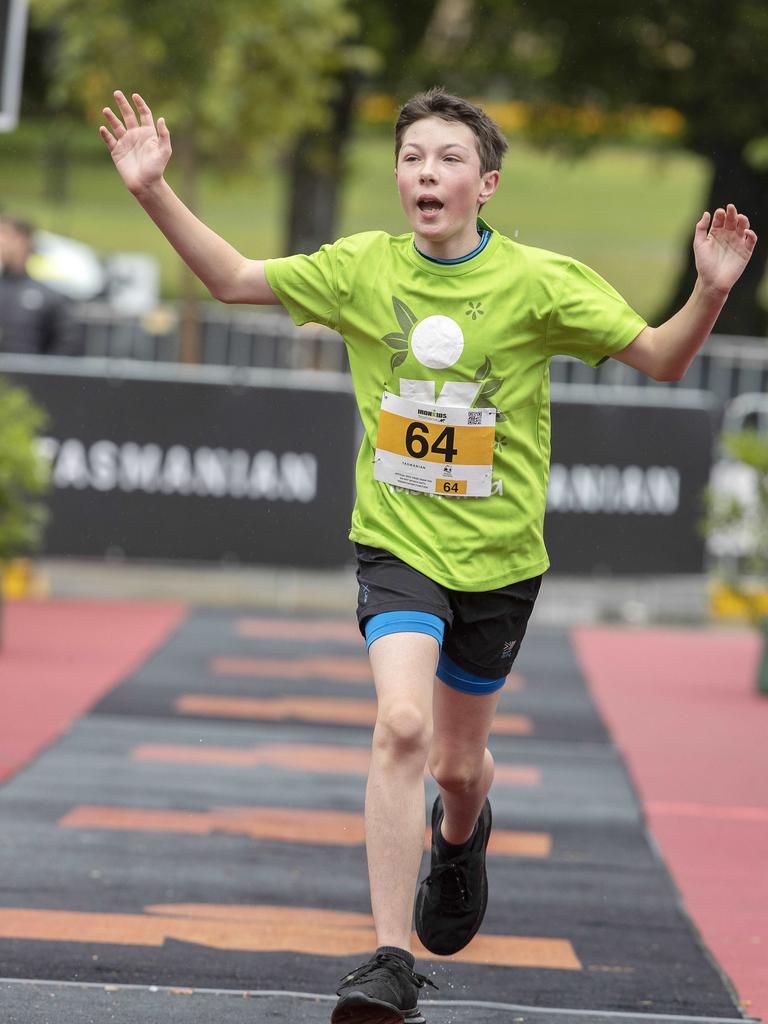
382 991
451 901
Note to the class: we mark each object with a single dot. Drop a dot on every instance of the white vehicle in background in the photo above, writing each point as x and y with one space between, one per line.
127 283
69 267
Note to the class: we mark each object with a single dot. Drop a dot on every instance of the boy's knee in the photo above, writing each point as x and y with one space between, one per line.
457 773
402 728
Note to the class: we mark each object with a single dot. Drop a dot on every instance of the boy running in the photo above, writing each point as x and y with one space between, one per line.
450 330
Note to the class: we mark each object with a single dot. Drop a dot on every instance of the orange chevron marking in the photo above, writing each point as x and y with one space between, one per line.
314 709
301 757
309 630
343 670
340 670
260 929
712 811
298 630
337 670
283 824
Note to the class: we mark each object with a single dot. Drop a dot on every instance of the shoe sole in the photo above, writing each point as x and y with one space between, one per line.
420 897
359 1009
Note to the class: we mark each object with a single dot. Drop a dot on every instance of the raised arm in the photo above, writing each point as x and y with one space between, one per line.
722 248
140 152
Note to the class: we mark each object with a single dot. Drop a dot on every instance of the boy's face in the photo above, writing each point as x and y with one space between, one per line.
440 184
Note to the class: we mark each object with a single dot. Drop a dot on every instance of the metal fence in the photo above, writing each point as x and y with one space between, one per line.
747 411
726 366
264 339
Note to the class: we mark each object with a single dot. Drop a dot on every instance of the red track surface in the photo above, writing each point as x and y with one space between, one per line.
59 657
682 708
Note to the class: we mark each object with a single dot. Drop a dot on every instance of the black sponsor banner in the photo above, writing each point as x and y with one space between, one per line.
626 484
169 469
155 467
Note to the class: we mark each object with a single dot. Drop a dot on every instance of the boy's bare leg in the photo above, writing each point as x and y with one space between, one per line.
459 760
404 670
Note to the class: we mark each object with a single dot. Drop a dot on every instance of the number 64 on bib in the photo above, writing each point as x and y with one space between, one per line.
438 449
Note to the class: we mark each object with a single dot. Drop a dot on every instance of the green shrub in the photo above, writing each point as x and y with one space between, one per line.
24 472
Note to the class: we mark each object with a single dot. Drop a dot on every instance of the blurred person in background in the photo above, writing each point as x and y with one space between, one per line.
33 318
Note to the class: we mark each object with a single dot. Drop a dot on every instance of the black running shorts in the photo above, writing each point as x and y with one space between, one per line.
484 629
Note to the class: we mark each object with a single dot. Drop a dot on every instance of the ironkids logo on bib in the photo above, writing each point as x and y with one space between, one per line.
435 448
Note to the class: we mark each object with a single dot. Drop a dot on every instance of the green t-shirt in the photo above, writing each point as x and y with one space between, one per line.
468 332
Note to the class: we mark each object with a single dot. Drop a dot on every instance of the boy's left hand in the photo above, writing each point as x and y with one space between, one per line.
722 249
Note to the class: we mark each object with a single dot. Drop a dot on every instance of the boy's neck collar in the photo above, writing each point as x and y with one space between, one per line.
484 234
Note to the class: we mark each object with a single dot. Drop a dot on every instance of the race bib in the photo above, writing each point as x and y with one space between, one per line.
435 448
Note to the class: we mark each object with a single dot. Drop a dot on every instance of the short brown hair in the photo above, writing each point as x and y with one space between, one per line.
491 144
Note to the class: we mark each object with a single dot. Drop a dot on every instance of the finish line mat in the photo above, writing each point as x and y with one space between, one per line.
202 828
41 1002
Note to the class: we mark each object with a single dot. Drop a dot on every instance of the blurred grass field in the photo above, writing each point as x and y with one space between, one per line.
627 212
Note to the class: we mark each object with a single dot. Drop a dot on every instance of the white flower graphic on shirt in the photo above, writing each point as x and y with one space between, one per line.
437 341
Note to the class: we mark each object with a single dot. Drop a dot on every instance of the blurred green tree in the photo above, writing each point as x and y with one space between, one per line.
388 39
705 58
235 80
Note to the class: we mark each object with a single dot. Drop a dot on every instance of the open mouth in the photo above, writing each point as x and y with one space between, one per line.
429 205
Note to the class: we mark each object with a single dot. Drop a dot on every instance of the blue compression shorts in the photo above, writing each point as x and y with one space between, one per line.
448 671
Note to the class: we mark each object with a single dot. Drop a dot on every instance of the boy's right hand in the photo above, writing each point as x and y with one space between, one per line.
140 152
